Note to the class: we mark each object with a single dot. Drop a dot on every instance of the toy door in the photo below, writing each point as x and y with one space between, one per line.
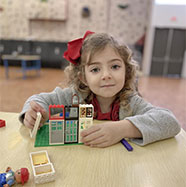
56 132
71 131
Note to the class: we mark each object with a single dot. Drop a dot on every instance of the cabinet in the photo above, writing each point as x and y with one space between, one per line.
168 52
165 45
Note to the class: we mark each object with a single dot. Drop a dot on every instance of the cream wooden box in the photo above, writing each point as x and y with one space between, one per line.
43 169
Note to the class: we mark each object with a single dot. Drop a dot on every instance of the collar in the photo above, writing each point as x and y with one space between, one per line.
113 114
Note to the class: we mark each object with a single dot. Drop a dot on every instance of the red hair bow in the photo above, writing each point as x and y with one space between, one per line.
72 53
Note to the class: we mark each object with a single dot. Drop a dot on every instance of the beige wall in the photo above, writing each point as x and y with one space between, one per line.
62 19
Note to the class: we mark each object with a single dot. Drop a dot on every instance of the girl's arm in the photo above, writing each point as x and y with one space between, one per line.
58 97
40 103
154 123
145 125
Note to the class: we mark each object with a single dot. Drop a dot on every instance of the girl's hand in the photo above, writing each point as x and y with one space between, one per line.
102 135
31 115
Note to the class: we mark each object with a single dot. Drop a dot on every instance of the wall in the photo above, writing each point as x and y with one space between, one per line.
61 20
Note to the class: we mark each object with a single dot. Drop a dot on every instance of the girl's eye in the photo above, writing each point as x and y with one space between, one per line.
115 66
95 70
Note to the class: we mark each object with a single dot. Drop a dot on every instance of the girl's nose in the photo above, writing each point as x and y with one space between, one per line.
106 75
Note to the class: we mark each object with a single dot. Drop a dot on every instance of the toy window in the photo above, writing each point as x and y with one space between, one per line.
56 112
82 112
89 112
71 112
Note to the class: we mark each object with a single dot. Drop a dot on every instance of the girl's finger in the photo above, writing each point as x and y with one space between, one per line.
91 137
90 130
36 107
31 115
28 124
97 141
44 115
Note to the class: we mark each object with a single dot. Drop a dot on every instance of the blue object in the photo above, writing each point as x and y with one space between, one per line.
67 114
2 179
7 178
36 63
126 145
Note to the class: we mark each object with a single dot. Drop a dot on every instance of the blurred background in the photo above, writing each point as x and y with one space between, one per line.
34 36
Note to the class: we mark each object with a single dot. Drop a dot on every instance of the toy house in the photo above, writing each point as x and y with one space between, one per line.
85 117
56 125
71 124
65 127
43 169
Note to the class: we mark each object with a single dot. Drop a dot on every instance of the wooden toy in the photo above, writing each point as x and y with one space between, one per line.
43 169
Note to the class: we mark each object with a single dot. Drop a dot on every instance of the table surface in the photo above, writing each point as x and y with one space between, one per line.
161 164
21 57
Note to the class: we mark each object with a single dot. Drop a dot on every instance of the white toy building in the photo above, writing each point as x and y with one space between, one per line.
86 112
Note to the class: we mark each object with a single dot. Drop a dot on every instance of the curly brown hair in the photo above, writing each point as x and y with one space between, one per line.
92 44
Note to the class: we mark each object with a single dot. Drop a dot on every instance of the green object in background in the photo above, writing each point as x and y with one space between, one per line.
43 0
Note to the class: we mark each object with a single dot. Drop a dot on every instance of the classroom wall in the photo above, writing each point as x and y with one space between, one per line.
62 20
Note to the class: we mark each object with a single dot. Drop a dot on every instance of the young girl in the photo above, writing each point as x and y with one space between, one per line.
102 73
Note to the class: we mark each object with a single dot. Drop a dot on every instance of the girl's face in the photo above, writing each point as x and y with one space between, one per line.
105 74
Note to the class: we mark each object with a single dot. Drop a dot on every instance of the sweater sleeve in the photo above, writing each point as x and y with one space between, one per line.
58 96
154 123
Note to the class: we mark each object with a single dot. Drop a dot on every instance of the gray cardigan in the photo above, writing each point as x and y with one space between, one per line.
153 122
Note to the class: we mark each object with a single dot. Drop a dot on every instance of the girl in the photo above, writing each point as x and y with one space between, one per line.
103 73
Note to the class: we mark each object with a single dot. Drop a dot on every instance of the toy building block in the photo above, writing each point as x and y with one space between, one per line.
56 125
71 124
33 131
66 123
75 100
86 114
43 169
2 123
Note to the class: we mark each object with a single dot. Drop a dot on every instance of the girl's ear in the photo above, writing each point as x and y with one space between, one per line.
82 78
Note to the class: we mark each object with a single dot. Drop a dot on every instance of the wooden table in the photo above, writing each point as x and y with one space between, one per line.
24 59
161 164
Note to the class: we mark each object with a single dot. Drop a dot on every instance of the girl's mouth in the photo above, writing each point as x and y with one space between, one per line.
107 86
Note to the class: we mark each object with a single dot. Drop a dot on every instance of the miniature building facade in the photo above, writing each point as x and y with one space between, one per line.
65 128
71 124
56 125
85 117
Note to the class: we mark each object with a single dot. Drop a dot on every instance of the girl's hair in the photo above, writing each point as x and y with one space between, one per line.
92 44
